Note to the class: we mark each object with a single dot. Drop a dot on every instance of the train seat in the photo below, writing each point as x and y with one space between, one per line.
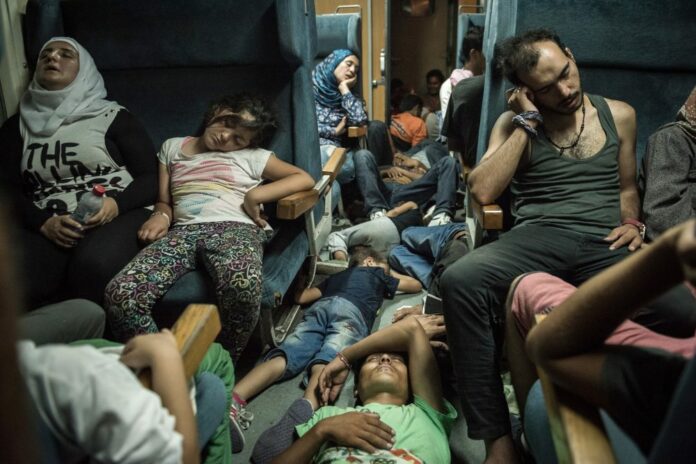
165 61
640 54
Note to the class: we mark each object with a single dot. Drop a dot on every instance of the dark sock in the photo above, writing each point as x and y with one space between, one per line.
280 436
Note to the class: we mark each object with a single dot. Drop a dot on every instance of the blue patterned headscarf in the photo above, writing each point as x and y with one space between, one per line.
325 84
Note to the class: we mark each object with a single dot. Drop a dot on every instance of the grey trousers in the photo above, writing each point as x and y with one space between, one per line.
63 322
380 234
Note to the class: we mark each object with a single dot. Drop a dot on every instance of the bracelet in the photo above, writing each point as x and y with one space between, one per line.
520 121
637 224
533 115
343 359
162 213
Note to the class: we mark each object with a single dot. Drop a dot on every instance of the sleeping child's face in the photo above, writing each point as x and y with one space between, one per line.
225 133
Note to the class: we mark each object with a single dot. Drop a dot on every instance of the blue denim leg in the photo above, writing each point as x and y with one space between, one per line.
440 181
405 261
347 173
211 401
430 241
306 340
376 193
346 326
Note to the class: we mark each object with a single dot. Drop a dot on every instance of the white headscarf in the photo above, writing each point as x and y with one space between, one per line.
44 111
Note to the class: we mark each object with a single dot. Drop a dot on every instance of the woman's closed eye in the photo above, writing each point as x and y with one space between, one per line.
62 53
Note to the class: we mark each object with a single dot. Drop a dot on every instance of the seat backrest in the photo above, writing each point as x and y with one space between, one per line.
340 30
165 61
641 53
464 22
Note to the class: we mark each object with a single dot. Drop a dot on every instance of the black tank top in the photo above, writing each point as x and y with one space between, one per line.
579 195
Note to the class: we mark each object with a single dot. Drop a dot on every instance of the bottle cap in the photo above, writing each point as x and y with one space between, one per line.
98 190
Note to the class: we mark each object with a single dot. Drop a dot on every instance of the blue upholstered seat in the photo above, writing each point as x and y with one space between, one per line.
639 52
165 61
334 31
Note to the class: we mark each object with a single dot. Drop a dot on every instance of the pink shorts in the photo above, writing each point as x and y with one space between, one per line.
540 293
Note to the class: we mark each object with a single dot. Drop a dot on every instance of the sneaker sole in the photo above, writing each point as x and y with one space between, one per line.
237 436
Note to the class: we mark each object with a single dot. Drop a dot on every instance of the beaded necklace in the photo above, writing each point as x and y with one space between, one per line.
574 144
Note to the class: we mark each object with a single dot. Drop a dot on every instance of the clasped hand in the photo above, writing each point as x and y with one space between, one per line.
64 231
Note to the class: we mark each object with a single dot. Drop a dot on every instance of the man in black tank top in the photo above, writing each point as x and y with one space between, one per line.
569 160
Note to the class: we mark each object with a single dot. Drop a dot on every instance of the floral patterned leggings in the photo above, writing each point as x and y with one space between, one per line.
231 252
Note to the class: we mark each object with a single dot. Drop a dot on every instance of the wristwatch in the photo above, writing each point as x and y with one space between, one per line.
639 225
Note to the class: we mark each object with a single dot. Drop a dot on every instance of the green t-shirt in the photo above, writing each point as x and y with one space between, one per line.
421 434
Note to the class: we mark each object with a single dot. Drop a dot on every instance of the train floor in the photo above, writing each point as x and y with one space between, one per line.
271 404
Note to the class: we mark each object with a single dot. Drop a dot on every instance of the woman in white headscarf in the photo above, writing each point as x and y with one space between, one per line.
67 138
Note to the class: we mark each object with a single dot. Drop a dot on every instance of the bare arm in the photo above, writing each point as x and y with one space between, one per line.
160 353
352 429
585 320
287 179
625 120
404 336
308 295
407 284
493 174
158 224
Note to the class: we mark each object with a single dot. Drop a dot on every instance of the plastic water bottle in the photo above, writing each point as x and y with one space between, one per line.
90 204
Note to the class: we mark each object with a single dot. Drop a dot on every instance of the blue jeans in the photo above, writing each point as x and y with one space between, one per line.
420 248
327 327
211 405
347 173
440 181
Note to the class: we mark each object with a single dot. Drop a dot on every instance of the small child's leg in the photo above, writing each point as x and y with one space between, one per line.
260 378
310 393
131 294
233 257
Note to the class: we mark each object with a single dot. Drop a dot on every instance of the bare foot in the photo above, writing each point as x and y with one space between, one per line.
408 311
340 255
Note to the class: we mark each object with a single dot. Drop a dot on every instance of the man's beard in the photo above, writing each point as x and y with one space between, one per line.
561 109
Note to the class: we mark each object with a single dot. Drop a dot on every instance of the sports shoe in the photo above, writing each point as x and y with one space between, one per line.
440 219
240 419
378 213
429 213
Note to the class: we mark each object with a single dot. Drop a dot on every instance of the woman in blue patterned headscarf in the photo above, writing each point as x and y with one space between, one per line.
336 105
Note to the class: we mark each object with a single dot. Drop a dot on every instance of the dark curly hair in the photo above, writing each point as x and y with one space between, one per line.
409 102
263 122
473 40
518 54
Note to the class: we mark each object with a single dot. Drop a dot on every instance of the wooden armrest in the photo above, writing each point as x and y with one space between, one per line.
357 131
295 205
194 331
334 164
576 426
489 216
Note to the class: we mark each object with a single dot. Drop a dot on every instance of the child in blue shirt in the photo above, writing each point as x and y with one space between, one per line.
343 311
